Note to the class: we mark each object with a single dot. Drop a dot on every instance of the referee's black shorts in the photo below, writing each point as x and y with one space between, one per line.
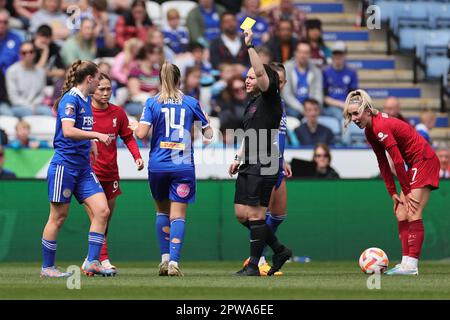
254 190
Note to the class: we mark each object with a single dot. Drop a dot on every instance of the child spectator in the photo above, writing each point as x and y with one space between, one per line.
23 139
176 37
427 122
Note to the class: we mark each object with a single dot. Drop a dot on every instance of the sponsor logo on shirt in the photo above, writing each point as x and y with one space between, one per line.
183 190
171 145
382 136
70 109
87 123
82 110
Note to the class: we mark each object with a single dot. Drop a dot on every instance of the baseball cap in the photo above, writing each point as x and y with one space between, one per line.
339 46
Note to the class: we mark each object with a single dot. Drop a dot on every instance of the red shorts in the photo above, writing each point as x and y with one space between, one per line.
111 188
425 173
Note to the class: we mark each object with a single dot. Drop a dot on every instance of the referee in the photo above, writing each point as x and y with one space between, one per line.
258 162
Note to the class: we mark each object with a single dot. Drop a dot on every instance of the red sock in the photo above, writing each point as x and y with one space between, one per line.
104 251
403 233
415 240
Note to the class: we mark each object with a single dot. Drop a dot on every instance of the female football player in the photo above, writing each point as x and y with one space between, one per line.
171 168
404 145
70 171
110 120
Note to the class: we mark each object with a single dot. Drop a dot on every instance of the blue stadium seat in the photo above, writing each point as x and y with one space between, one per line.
436 61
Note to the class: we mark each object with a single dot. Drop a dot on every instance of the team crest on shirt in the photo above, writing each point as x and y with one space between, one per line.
70 109
82 110
183 190
114 122
382 136
67 193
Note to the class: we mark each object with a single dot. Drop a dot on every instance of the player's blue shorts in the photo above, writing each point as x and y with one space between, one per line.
178 186
64 181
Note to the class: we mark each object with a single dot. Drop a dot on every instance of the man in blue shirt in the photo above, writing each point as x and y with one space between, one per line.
338 81
9 43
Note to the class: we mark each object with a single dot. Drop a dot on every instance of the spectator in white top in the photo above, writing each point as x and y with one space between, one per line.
25 83
52 15
304 81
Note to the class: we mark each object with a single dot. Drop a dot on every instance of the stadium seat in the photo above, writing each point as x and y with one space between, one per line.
292 123
154 11
8 124
436 61
332 123
183 7
42 127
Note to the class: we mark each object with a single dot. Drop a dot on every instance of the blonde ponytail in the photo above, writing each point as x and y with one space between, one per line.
363 100
170 78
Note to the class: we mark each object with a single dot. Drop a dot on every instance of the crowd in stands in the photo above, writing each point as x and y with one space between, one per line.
39 39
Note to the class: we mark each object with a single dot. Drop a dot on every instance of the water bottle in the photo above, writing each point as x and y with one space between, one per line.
301 259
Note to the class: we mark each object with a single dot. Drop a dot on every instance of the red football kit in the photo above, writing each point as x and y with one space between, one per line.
114 122
405 145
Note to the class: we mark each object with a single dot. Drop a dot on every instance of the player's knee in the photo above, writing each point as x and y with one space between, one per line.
59 221
103 213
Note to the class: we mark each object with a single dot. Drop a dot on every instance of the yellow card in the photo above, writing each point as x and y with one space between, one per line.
248 23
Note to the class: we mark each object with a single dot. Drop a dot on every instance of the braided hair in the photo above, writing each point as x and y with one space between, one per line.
76 74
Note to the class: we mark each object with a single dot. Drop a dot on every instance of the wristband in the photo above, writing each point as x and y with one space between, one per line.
250 46
237 158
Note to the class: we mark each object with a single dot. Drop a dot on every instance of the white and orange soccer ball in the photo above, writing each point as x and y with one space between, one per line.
373 260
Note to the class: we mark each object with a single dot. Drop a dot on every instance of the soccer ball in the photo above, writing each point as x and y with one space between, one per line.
373 260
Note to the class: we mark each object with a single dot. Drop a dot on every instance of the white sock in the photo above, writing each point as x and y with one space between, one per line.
165 257
173 263
262 261
412 263
404 260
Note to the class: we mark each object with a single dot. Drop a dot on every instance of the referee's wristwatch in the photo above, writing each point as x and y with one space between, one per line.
237 158
250 46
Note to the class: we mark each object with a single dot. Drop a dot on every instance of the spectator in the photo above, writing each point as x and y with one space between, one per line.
104 28
392 107
311 132
320 53
322 159
23 139
136 97
156 38
203 21
176 37
198 57
283 44
3 137
82 45
52 15
229 47
427 122
4 173
24 10
147 69
232 6
230 105
251 8
134 24
9 43
227 71
25 83
443 153
287 11
265 54
125 61
191 83
338 81
47 55
304 81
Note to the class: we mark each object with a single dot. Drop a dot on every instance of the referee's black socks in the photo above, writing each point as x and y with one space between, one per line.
272 241
258 235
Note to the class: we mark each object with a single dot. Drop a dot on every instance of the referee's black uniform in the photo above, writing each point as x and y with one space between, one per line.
259 171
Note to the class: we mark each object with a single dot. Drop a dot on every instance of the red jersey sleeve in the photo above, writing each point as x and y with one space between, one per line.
383 132
383 164
127 136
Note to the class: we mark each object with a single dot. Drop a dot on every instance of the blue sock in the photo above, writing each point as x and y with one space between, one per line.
95 245
48 252
274 221
163 222
177 235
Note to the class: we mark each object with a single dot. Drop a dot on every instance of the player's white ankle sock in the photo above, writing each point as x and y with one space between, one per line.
165 257
262 261
173 263
404 260
412 263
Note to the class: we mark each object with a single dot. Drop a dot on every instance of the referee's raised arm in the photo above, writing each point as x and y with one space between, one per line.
261 75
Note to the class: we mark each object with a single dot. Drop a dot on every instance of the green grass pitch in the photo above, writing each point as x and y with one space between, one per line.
214 280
